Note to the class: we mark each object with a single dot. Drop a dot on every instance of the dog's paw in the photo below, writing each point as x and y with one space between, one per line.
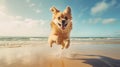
67 46
62 47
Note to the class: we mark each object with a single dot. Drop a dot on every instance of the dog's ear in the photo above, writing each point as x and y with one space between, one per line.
54 10
67 10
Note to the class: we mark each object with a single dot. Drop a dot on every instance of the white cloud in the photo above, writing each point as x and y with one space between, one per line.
19 26
99 7
113 2
18 17
110 20
94 20
38 11
102 6
101 20
2 10
32 5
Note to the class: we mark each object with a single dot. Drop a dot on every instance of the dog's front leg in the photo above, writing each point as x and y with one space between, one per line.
67 43
53 39
50 41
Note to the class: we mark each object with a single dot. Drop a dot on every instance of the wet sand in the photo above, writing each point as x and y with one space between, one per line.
39 54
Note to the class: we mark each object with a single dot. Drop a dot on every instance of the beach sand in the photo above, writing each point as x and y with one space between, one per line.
39 54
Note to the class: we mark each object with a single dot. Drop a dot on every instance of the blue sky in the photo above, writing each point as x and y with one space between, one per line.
91 18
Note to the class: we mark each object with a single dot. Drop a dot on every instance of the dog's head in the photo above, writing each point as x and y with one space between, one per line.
61 19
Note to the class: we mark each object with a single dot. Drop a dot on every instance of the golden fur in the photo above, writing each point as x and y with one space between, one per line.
61 26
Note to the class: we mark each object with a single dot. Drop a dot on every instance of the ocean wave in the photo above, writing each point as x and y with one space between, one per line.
46 38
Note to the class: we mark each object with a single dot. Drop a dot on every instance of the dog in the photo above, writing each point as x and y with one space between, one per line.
61 26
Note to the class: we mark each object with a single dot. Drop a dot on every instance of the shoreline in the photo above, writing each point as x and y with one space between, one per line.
13 44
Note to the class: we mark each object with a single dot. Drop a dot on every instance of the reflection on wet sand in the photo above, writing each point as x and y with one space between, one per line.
58 63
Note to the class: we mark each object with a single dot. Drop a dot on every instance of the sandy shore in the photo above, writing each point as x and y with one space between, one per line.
39 54
12 44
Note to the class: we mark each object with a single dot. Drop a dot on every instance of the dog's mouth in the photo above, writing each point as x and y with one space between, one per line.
62 25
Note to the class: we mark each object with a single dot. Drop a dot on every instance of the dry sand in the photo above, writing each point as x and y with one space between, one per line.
39 54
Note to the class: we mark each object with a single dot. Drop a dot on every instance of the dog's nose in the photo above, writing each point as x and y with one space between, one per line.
63 21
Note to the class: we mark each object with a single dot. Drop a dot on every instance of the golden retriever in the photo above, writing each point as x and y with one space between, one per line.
61 26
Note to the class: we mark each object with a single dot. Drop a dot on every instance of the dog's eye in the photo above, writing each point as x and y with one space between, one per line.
58 18
66 18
